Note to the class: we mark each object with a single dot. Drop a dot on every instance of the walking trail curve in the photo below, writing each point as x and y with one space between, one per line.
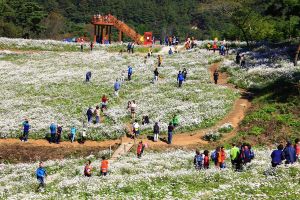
190 139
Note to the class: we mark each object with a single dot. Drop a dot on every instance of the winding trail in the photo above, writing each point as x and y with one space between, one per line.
189 139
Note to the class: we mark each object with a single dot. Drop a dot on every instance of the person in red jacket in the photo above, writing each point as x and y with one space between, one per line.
140 149
215 46
222 157
104 101
206 159
297 148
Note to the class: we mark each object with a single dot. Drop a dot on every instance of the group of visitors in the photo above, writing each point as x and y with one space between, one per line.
289 153
222 48
88 169
190 43
238 156
171 40
130 47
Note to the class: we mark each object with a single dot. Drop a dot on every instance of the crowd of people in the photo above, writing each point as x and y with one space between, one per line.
239 157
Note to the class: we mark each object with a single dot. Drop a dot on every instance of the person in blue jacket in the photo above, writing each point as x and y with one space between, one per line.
129 72
170 51
180 79
52 132
289 153
117 87
41 175
277 156
73 133
26 127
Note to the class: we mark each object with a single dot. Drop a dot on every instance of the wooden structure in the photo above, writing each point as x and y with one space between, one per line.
104 24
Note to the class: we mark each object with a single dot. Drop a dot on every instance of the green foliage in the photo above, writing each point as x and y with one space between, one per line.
256 130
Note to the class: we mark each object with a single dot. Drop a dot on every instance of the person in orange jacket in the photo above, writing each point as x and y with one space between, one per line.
104 166
221 158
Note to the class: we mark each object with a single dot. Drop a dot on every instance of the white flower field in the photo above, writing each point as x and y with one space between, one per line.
50 86
164 175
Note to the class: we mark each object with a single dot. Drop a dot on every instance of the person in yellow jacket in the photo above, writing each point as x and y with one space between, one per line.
159 59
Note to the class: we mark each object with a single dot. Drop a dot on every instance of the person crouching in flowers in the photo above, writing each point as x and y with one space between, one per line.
277 156
104 166
41 175
88 169
140 149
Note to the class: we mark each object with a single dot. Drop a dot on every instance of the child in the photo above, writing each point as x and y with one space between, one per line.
206 159
145 120
104 166
88 169
40 175
198 159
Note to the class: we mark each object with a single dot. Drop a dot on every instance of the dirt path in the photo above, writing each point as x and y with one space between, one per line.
36 149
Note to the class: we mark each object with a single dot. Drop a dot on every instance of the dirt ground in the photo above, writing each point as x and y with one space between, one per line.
13 150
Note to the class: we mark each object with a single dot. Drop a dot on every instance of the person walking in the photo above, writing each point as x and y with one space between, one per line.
97 114
184 73
206 159
26 127
41 175
140 149
88 76
180 78
238 58
198 160
89 114
216 76
52 132
117 87
289 153
243 61
133 108
104 166
73 133
175 120
58 133
129 47
156 132
170 133
92 46
234 154
104 101
156 74
277 156
132 47
222 157
88 169
129 72
136 129
159 59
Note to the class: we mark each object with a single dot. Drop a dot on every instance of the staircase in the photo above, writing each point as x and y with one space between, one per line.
121 26
123 149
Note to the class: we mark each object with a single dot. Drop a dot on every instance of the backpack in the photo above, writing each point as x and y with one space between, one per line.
199 158
213 156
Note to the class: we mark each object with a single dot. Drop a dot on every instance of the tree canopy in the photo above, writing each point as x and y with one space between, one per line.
248 20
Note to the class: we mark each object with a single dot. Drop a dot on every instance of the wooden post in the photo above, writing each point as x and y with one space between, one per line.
103 33
120 36
98 31
95 33
109 34
296 56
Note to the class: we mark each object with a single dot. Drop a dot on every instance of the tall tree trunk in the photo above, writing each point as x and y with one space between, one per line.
297 55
